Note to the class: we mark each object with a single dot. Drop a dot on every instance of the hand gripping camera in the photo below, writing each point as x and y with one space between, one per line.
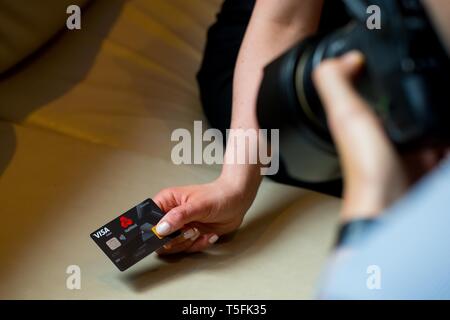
406 80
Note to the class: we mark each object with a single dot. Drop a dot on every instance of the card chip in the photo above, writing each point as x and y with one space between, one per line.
156 233
113 243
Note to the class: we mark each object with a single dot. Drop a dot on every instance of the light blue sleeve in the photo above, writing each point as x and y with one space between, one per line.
407 256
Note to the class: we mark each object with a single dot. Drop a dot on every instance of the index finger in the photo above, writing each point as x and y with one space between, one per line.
166 200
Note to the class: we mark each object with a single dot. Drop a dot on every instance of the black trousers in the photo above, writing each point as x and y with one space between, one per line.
215 77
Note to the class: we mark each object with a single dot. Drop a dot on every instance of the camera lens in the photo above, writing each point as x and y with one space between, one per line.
404 81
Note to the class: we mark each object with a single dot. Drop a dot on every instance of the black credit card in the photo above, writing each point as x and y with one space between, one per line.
131 237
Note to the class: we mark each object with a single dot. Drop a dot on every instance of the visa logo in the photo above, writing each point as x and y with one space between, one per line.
101 232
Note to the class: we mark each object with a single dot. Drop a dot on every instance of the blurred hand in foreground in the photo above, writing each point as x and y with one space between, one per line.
375 174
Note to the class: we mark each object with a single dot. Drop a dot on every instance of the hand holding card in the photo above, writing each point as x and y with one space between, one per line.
215 209
131 237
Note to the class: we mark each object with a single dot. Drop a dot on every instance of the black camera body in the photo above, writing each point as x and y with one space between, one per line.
406 80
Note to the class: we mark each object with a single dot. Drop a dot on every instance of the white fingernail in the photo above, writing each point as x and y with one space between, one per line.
213 239
196 235
163 228
189 234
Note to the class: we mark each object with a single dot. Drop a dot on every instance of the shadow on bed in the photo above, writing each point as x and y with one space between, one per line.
52 71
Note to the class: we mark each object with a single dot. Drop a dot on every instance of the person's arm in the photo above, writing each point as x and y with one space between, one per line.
207 211
404 255
274 27
394 249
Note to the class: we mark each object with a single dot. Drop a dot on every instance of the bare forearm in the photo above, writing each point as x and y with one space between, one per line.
274 27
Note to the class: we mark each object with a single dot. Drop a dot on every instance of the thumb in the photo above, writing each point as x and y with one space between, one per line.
176 218
353 124
350 64
333 79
